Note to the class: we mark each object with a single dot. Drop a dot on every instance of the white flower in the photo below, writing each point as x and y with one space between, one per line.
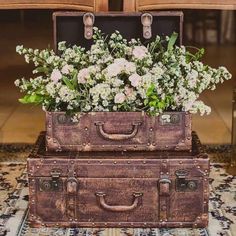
17 82
119 98
83 75
140 52
56 75
66 69
135 80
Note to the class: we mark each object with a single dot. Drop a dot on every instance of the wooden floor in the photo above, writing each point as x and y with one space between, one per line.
21 123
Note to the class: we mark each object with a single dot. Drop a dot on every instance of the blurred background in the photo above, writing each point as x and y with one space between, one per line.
211 29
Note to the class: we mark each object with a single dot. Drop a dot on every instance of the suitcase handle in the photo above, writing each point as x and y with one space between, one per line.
117 137
121 208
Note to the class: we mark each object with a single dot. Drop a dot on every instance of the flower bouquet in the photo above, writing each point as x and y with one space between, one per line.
119 94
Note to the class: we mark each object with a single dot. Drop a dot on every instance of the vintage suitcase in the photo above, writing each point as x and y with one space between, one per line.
112 131
118 189
117 131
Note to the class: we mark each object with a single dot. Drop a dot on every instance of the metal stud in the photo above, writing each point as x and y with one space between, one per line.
144 162
115 162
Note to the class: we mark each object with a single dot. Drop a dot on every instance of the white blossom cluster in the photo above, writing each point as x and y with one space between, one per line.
117 75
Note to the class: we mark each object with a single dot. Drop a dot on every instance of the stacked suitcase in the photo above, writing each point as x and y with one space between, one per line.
118 170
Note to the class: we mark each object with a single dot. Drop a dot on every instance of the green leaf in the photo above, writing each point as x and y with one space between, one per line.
42 69
74 80
68 83
172 41
34 98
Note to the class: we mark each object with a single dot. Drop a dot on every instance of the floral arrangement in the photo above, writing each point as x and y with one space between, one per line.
119 75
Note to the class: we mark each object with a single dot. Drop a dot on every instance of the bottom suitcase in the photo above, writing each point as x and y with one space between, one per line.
118 189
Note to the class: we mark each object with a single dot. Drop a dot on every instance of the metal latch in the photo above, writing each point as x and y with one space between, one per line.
184 185
88 19
53 184
146 19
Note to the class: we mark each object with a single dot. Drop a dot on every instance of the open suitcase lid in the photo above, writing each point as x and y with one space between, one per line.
76 27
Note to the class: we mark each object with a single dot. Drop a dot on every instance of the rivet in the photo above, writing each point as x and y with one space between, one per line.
119 146
176 147
144 162
71 219
93 224
151 129
135 146
100 162
106 224
166 146
153 144
115 162
132 224
183 141
55 162
148 144
180 224
128 162
198 217
103 146
84 144
86 128
161 173
42 224
76 219
88 162
49 126
161 220
195 224
57 224
188 138
48 137
37 167
166 220
72 162
206 171
205 191
167 173
33 180
180 162
205 202
145 223
32 215
198 167
206 179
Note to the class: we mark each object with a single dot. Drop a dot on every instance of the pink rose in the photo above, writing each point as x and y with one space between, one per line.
140 52
128 91
135 79
83 75
119 98
56 75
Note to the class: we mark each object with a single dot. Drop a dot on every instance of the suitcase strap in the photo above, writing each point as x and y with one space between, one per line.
164 191
71 196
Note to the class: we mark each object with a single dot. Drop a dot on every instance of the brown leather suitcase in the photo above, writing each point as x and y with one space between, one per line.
118 189
119 131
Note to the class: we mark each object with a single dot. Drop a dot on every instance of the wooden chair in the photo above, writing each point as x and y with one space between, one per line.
149 5
81 5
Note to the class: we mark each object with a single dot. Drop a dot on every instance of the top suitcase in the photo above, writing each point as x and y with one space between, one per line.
132 131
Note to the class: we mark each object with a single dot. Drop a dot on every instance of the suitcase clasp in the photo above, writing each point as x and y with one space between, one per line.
146 19
88 20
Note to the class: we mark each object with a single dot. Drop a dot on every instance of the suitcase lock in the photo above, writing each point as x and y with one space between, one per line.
53 184
183 185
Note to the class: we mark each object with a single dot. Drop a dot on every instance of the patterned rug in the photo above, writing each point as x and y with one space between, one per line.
14 204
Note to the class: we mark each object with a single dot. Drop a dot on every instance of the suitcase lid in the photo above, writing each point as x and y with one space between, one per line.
149 164
70 26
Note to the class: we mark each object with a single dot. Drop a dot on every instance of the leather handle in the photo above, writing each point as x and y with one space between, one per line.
121 208
88 19
118 137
